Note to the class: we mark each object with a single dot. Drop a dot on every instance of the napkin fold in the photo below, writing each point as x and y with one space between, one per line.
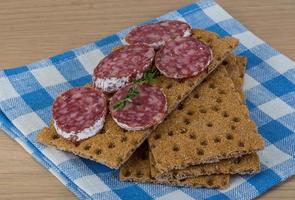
27 93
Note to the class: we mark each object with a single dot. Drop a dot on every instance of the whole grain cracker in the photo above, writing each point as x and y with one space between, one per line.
248 164
192 134
137 169
113 146
236 71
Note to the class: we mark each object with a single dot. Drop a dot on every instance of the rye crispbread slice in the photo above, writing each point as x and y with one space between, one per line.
137 169
236 71
248 164
210 125
113 146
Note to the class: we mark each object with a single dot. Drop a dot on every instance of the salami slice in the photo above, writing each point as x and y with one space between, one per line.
145 110
79 113
158 33
122 66
183 58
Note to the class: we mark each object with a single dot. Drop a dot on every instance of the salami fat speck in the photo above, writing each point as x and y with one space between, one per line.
122 66
145 110
183 58
157 34
79 113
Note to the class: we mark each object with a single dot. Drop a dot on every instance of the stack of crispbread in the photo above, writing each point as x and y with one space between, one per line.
207 138
206 123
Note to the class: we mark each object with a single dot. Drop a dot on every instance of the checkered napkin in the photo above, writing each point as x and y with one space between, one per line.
27 93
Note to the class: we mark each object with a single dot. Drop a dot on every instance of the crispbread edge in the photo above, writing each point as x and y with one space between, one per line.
137 169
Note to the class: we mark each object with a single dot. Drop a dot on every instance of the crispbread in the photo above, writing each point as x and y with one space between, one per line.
137 169
236 72
113 146
247 164
191 135
235 65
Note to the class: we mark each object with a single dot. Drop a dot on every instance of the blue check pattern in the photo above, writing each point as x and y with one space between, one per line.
27 93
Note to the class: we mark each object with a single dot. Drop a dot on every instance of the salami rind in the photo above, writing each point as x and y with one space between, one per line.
157 34
183 58
122 66
143 111
79 113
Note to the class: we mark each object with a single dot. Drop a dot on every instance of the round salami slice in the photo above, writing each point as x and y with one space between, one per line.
144 110
122 66
79 113
183 58
157 34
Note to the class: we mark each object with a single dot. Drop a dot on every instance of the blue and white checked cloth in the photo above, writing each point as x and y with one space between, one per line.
27 92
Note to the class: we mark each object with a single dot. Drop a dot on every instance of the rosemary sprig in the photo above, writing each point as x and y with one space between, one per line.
148 77
132 92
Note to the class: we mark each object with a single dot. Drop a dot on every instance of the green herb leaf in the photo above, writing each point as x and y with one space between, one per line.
148 76
132 92
119 105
